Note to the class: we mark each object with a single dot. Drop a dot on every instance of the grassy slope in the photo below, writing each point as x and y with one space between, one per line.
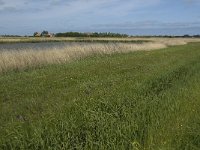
141 100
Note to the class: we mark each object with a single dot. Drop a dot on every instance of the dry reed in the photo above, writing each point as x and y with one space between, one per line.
17 60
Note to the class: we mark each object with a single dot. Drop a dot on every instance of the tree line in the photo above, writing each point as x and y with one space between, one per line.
93 34
97 34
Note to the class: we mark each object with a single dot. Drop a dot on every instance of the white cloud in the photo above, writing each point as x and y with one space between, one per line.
77 6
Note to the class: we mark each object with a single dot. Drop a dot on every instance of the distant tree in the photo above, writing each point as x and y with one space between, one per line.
186 35
196 36
35 33
95 34
44 33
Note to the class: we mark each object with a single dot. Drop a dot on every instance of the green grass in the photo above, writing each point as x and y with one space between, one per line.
139 100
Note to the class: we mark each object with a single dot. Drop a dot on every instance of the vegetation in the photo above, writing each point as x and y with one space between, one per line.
21 59
103 34
41 39
170 36
80 34
43 34
95 34
140 100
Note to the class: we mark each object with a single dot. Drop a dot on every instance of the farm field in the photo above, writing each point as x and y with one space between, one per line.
132 100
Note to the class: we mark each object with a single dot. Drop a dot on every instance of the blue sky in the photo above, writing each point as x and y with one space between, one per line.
141 17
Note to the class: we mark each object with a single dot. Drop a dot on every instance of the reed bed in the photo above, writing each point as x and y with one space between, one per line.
21 59
174 41
70 39
17 60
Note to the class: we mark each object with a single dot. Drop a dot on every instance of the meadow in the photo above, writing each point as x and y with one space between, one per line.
121 96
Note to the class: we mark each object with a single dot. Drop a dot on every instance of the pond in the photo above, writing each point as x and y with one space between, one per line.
38 46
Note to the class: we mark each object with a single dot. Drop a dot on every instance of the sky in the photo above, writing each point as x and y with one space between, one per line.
133 17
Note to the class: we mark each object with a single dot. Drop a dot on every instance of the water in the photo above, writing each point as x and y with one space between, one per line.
38 46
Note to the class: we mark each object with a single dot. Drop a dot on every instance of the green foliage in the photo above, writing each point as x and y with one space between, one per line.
95 34
44 33
140 100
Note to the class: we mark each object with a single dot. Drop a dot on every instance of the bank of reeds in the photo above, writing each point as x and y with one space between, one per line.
20 59
93 39
71 39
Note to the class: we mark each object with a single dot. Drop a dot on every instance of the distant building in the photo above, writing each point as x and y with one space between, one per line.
37 34
43 34
88 33
49 35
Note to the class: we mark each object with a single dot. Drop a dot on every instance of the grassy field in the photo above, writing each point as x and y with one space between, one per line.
138 100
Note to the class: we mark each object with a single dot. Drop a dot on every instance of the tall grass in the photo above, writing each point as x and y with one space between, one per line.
71 39
93 39
18 60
